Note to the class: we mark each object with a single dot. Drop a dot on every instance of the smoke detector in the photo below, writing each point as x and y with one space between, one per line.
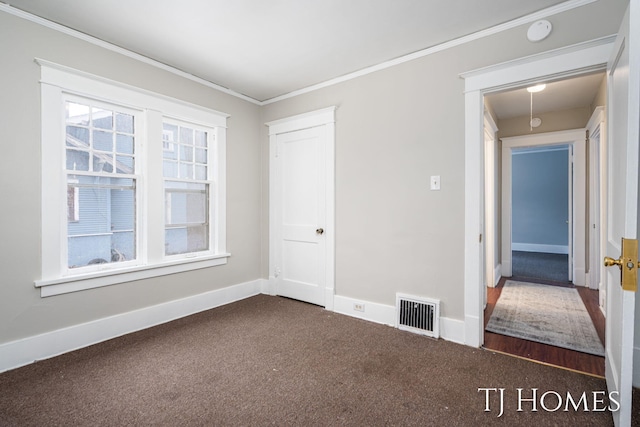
539 30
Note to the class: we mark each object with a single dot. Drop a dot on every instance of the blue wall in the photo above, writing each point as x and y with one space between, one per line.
540 194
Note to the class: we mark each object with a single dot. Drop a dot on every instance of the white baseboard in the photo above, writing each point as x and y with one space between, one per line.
450 329
532 247
497 275
579 277
28 350
373 312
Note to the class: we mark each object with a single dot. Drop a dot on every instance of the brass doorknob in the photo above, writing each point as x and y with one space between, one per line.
319 230
610 262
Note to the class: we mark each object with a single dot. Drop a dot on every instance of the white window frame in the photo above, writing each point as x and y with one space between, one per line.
58 81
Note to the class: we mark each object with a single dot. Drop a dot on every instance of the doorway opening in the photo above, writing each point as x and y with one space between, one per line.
548 200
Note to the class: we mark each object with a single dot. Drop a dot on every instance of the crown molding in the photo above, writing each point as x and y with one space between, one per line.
553 10
114 48
550 11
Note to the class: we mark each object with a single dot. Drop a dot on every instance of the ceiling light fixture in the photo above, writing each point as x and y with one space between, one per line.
534 122
536 88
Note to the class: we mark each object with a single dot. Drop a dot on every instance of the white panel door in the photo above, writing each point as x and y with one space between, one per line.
622 207
301 217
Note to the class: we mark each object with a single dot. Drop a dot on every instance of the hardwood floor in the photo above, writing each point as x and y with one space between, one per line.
545 353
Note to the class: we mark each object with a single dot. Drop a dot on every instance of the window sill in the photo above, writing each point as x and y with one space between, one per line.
64 285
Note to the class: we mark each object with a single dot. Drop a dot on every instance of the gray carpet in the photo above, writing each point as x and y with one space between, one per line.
273 361
548 314
544 266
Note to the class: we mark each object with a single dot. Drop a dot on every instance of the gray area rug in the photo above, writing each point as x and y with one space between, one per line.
547 314
537 265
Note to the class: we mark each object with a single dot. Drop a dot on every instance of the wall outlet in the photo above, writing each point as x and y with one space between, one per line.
358 306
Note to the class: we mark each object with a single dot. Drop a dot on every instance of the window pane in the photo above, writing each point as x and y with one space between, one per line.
186 217
103 231
201 172
170 169
186 171
186 136
186 153
102 140
103 162
77 113
124 144
201 155
77 160
102 119
169 151
124 123
77 137
169 132
201 138
186 239
125 164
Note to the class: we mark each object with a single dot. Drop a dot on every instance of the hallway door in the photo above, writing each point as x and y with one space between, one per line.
622 204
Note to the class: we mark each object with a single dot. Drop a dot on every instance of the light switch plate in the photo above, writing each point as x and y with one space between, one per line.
435 182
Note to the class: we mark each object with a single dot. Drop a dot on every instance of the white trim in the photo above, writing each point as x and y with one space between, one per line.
490 197
580 58
60 82
27 350
450 329
373 312
302 121
534 247
553 10
550 11
92 85
67 284
497 275
476 84
577 215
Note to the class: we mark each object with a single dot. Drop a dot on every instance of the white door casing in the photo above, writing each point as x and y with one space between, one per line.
597 198
622 204
576 139
301 187
564 62
490 201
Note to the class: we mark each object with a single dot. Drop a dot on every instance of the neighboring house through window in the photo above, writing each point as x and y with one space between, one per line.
127 155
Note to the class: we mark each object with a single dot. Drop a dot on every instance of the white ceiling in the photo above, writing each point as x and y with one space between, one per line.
557 96
267 48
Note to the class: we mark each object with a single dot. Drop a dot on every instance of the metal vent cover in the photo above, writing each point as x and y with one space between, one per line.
418 315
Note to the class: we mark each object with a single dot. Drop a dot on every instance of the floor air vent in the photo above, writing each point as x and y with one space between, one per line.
419 315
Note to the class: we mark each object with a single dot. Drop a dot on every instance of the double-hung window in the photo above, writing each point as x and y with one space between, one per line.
187 187
133 183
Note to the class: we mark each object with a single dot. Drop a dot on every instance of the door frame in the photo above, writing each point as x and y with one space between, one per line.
574 138
492 270
324 117
556 64
597 211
